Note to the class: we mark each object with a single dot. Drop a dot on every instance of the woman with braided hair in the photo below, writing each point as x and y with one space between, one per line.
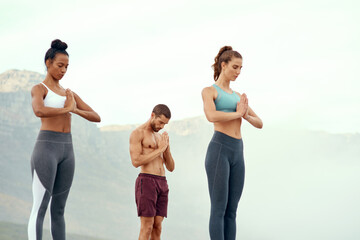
224 160
52 160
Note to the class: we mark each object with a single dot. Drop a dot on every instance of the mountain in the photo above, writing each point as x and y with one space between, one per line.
299 184
15 80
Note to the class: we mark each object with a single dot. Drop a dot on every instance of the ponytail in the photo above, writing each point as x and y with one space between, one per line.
225 55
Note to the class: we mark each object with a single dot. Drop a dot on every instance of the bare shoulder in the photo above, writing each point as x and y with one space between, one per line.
38 89
137 134
208 91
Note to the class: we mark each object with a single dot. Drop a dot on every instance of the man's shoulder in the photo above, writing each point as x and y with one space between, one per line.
137 132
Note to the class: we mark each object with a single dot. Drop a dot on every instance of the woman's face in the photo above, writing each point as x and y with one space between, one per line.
232 69
57 67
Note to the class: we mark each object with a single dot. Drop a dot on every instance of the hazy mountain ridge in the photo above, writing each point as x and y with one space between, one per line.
291 174
17 80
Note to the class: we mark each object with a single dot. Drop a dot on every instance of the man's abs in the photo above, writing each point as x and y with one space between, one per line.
155 167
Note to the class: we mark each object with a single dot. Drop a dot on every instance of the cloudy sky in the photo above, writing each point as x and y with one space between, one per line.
300 57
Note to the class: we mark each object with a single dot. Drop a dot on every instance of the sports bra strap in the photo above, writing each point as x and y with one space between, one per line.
219 88
45 85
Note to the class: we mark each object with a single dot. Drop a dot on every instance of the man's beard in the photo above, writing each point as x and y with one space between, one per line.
153 127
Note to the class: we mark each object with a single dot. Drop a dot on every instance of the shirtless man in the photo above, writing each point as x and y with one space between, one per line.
150 150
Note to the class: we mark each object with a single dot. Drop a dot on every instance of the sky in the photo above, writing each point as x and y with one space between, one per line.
300 58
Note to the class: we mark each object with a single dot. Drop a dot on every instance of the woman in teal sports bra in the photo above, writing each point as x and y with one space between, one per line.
224 160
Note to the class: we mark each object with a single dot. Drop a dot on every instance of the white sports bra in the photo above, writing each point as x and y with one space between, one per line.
53 100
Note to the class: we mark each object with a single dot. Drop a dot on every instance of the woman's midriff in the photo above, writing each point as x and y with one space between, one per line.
57 124
230 128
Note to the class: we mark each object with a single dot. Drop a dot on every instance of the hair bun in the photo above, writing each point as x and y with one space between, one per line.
58 44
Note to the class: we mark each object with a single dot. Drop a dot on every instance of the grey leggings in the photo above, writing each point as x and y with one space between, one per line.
225 170
52 168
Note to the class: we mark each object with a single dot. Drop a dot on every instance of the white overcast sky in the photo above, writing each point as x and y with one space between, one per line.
300 58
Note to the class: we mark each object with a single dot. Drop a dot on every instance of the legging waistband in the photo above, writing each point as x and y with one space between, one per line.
51 136
226 140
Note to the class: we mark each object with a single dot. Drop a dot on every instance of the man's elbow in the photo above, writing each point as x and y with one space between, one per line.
171 169
135 164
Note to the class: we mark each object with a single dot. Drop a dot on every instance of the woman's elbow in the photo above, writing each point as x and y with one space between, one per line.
210 118
97 119
38 113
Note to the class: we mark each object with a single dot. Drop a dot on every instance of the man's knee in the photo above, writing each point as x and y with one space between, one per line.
157 227
147 226
147 229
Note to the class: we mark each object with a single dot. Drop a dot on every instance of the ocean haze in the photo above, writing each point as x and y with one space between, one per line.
300 184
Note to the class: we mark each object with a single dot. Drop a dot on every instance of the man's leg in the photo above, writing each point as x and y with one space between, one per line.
156 231
146 227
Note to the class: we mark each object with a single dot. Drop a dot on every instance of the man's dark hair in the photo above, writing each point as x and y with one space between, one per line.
162 109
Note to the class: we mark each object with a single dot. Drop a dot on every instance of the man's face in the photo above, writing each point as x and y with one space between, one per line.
158 122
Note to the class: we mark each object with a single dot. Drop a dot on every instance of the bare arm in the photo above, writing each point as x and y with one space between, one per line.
169 161
84 110
40 110
218 116
253 119
137 158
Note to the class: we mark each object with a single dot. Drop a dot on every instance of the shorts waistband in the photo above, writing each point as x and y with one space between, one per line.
51 136
152 176
231 142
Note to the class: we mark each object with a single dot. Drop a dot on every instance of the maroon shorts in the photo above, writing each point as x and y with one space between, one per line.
151 195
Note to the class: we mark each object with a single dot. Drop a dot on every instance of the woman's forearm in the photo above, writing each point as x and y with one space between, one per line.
89 115
218 116
45 112
255 121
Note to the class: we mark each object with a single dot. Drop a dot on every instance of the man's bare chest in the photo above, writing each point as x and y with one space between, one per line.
150 141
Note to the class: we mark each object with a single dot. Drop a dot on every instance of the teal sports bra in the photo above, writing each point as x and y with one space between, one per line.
225 102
